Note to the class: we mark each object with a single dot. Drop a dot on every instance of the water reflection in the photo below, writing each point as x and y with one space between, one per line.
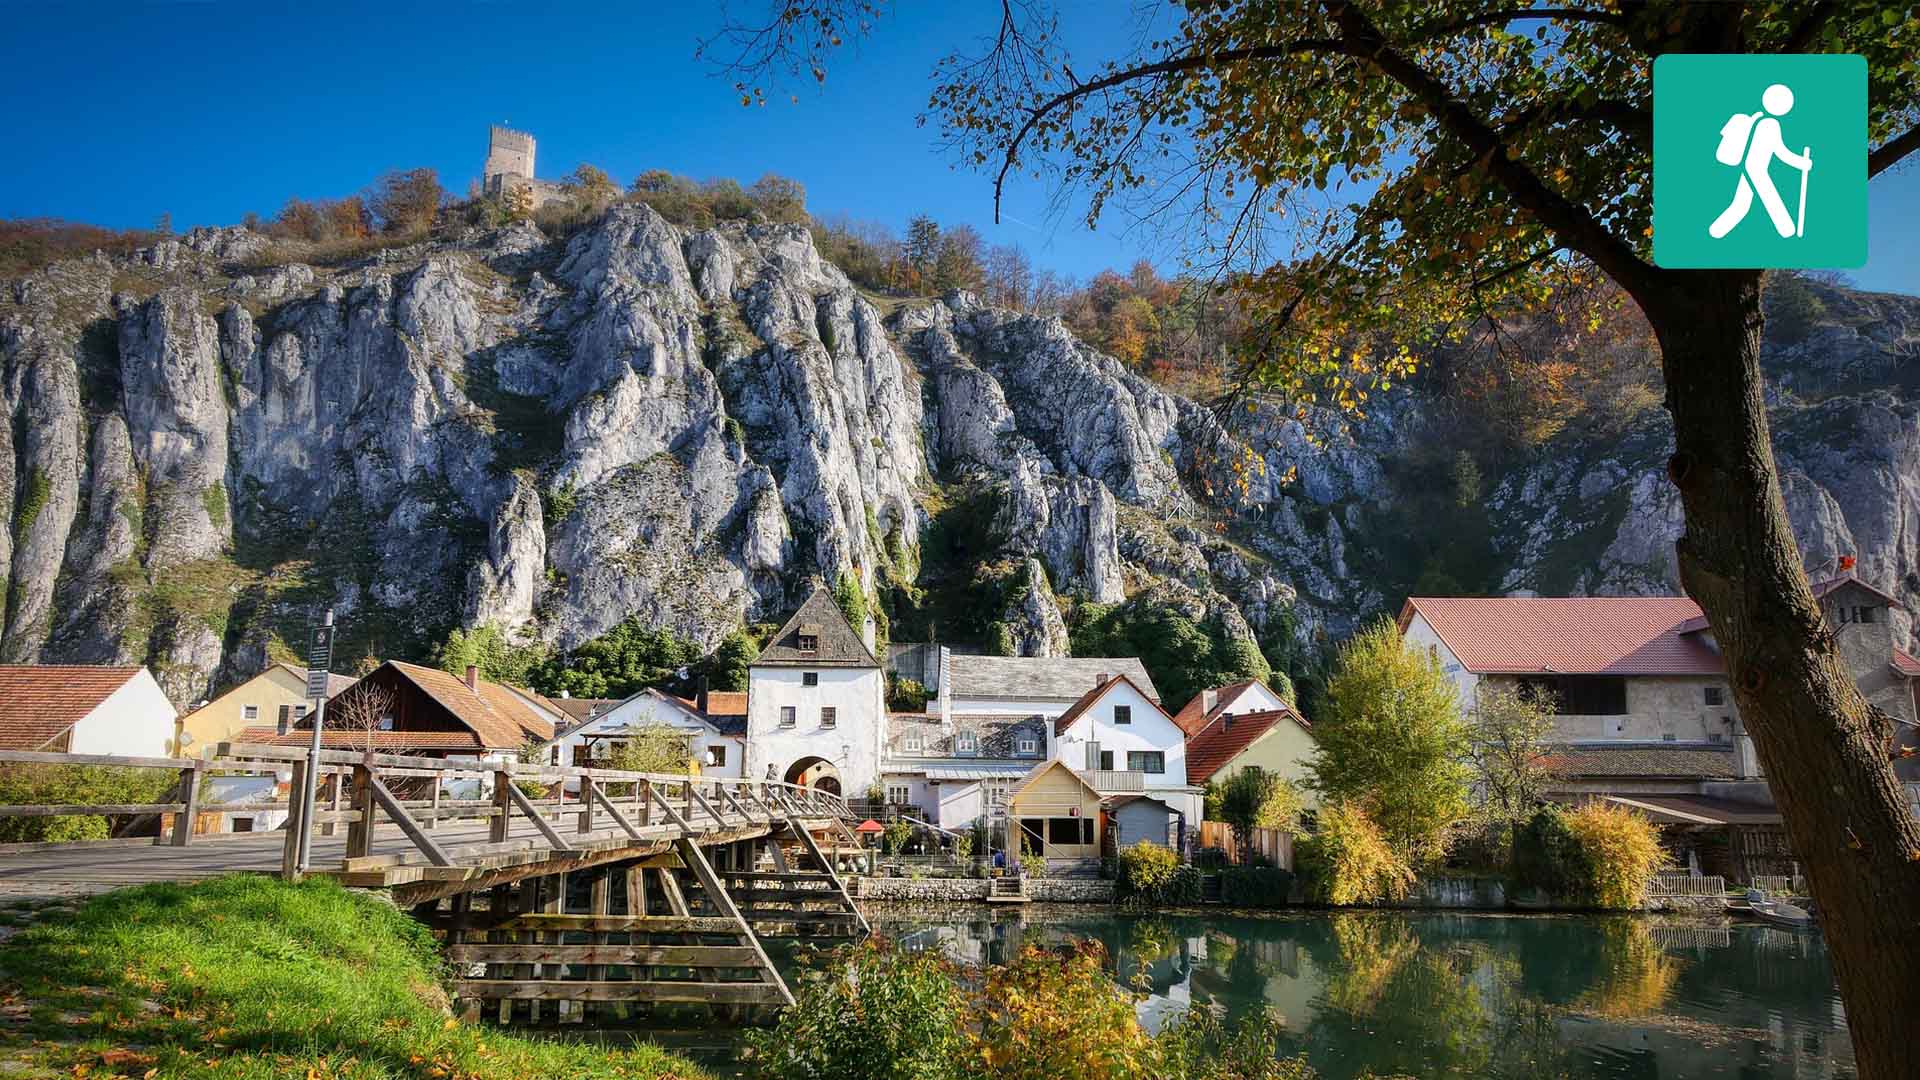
1468 995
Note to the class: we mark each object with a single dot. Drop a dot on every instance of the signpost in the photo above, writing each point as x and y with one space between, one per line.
319 663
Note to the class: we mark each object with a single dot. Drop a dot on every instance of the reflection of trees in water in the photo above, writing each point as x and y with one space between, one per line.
1636 976
1393 1004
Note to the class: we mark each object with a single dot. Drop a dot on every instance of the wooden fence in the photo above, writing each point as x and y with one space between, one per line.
1275 845
1781 884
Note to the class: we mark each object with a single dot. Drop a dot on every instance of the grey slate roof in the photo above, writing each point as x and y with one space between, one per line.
840 644
997 736
1644 760
1059 678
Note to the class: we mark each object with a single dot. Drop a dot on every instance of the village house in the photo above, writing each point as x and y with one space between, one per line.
715 726
816 703
428 712
277 696
83 709
1275 740
1645 716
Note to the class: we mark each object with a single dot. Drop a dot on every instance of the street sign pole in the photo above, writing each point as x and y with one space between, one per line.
319 663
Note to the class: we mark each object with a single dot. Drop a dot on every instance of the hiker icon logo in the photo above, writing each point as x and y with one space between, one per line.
1735 140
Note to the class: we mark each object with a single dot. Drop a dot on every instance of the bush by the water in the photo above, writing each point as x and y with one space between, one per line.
1151 875
247 978
1347 859
77 785
1255 886
1599 855
878 1012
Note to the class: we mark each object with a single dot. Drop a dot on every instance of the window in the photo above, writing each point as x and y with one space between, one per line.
243 824
1855 614
1064 830
716 757
1714 696
556 754
286 719
1029 746
299 712
1580 695
966 742
1146 761
808 643
912 744
829 717
810 678
788 716
1123 714
1106 760
899 795
386 723
249 712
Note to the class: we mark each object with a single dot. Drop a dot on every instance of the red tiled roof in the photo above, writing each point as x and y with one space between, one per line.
1088 699
497 714
1220 742
40 701
1195 714
1905 663
1583 635
355 740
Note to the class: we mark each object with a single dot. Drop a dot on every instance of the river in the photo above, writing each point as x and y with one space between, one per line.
1446 995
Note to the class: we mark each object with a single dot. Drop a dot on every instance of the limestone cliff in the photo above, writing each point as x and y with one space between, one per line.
212 440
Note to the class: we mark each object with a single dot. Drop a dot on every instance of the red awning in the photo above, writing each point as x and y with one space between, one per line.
869 825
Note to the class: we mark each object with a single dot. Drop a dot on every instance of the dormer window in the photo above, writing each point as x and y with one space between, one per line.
912 744
966 742
1029 746
807 639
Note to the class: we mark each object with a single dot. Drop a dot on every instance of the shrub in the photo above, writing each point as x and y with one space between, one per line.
877 1012
24 785
1033 864
1348 860
1546 856
904 694
1151 875
1210 858
1255 886
1621 851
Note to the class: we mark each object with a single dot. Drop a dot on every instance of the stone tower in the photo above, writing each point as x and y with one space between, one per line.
509 154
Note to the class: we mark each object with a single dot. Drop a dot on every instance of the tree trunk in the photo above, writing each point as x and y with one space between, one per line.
1824 751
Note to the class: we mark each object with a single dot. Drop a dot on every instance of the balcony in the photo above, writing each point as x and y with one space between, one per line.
1116 781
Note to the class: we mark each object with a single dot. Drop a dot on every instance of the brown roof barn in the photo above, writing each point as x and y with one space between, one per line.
434 713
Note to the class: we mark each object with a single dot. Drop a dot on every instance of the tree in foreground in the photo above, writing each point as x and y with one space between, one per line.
1254 798
1490 150
1507 751
1389 738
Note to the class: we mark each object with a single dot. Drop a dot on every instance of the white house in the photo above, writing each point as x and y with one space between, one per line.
1126 743
817 703
717 742
79 709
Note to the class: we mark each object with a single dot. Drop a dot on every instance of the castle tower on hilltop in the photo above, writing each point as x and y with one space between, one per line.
509 153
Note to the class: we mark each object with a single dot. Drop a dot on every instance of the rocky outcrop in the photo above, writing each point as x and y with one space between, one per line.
551 435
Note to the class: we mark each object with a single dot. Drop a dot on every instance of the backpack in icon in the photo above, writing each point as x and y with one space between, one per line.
1733 137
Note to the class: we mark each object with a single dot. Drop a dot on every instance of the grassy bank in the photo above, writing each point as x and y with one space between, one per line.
248 977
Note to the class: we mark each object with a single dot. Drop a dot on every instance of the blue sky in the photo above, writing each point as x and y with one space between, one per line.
208 110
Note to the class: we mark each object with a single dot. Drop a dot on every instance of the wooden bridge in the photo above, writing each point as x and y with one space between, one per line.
596 890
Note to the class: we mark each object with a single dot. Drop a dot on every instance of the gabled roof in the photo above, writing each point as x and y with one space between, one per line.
1041 769
1581 635
1821 589
839 642
1195 715
1905 663
1092 698
38 702
501 717
1040 678
1216 745
580 709
1115 802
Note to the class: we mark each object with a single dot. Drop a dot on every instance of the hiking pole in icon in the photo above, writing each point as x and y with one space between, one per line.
1800 223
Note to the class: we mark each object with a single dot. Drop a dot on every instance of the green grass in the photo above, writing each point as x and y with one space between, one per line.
246 977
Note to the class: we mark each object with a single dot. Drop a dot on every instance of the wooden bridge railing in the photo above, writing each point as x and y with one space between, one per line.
375 785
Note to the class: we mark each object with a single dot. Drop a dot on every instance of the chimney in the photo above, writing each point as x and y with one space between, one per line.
700 700
473 677
1100 680
1208 699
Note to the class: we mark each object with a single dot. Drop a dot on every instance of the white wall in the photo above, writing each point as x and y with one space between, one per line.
1420 635
1150 729
1255 698
853 745
135 721
964 704
644 709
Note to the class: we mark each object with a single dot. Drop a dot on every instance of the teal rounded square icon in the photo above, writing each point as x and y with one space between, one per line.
1759 161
